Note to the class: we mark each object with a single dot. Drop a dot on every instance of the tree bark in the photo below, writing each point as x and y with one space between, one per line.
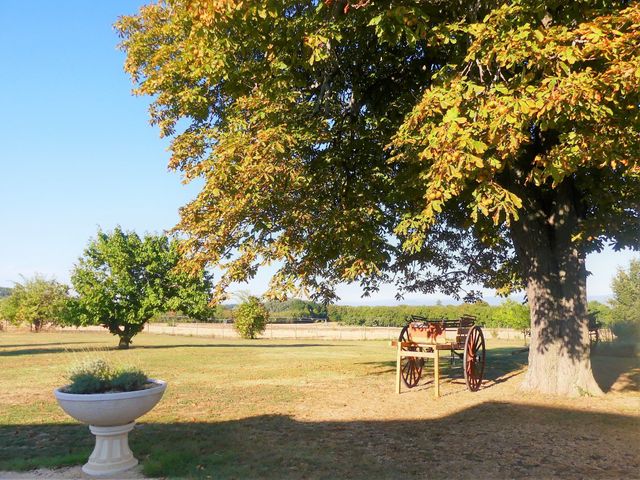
555 276
124 334
124 342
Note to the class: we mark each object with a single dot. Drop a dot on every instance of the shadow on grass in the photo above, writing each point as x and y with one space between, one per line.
616 366
38 351
490 440
504 363
45 350
19 345
25 447
239 345
500 365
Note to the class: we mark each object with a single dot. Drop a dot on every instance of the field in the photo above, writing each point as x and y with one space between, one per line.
320 409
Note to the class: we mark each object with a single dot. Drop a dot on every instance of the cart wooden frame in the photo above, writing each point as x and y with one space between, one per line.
423 338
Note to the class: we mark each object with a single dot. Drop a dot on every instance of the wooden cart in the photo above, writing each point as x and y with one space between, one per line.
422 338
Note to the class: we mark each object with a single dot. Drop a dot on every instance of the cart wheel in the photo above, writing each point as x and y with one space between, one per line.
474 356
410 367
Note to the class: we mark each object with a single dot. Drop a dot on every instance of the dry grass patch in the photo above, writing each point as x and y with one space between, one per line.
320 409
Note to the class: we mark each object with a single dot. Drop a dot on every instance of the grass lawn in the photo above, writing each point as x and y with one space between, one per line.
319 409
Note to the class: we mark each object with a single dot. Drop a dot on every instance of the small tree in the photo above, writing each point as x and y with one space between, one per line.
250 317
625 312
123 280
37 302
5 309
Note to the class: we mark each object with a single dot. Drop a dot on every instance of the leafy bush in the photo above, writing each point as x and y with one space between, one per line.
98 376
250 317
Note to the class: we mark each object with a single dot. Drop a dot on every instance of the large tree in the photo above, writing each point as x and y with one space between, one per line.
433 144
122 281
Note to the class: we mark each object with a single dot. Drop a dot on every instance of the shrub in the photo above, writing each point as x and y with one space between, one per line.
128 379
98 376
90 376
250 317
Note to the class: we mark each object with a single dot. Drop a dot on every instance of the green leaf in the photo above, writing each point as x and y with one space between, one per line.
375 20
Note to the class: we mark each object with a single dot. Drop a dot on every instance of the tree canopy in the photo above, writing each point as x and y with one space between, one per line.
429 144
123 280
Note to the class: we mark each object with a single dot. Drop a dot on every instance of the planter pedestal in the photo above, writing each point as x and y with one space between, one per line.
110 416
111 454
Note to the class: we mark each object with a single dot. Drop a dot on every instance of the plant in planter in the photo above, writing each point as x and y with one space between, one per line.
109 400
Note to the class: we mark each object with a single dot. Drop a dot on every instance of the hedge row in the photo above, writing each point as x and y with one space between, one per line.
509 314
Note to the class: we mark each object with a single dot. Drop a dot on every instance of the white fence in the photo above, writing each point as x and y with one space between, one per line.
327 331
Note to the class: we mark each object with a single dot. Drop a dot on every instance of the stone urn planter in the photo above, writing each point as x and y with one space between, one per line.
110 416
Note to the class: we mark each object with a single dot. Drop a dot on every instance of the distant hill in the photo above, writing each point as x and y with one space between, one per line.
5 292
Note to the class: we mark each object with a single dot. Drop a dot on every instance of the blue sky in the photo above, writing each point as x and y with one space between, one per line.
77 151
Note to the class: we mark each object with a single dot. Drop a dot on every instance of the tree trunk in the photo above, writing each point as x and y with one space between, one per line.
555 275
559 353
124 343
